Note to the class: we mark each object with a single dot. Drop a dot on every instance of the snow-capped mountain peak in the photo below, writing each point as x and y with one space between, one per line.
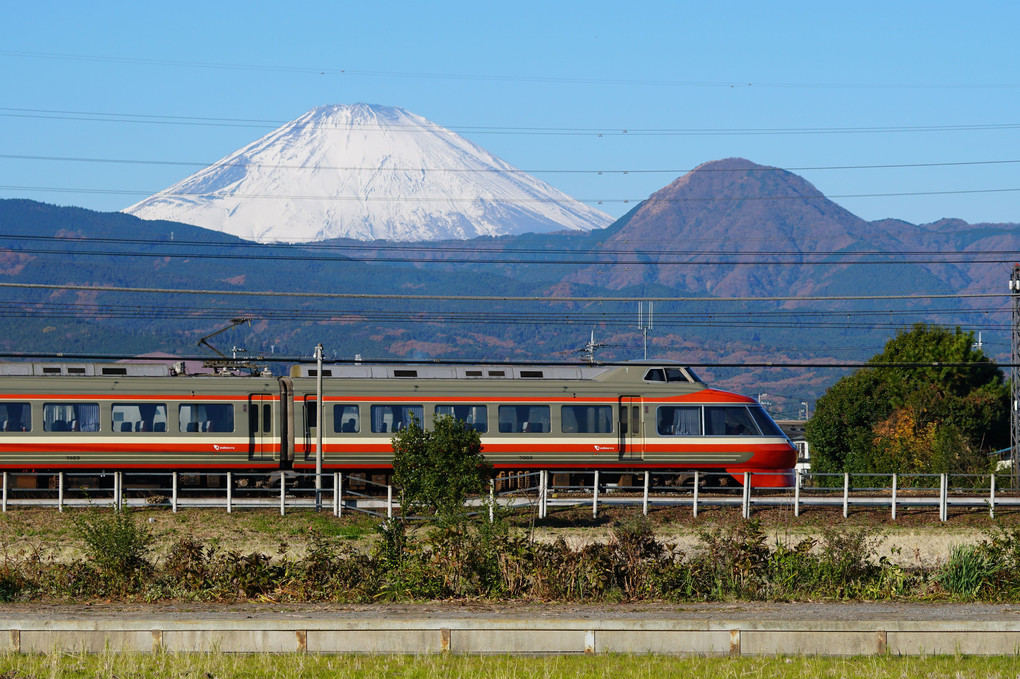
367 172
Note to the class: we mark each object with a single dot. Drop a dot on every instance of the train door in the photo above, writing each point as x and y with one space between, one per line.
632 439
309 415
260 426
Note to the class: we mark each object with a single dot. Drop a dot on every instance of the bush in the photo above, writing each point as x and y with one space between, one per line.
437 470
114 543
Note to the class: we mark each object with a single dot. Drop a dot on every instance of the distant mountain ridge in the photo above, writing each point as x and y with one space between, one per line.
366 172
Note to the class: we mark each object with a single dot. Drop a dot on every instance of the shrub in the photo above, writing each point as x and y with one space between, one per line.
114 543
437 470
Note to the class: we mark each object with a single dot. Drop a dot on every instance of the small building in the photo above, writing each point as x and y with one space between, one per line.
795 430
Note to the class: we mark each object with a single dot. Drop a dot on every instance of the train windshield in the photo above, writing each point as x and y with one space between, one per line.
671 374
765 423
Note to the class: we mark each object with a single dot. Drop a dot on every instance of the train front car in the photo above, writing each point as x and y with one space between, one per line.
707 429
568 419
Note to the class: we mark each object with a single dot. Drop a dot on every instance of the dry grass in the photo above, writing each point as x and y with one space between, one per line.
917 538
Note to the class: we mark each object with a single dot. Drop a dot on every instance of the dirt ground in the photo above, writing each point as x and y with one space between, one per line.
916 538
718 613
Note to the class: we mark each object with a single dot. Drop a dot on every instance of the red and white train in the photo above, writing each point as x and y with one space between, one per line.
564 418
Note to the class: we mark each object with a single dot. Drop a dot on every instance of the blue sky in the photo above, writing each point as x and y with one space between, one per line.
930 87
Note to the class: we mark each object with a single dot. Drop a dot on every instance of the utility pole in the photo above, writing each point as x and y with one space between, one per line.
318 427
1014 375
645 326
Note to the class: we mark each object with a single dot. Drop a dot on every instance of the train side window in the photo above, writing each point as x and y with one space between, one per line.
390 418
15 417
729 421
346 418
678 420
140 417
586 419
518 419
207 417
475 417
655 375
71 417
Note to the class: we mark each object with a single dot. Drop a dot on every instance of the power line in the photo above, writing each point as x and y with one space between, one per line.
503 201
490 169
695 259
490 77
374 247
495 298
470 248
764 318
609 131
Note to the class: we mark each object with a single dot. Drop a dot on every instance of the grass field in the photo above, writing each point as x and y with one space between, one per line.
202 666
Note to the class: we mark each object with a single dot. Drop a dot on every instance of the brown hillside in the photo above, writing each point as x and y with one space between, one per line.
695 229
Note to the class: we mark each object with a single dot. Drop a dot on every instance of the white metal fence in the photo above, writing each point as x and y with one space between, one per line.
341 493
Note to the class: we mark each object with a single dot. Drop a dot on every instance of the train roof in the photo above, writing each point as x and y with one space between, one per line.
18 369
664 371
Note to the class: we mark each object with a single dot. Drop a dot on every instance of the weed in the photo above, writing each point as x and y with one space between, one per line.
970 569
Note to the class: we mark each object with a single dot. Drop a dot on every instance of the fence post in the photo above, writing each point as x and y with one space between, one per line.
846 494
747 495
5 493
645 501
118 490
230 492
991 498
173 494
283 494
492 500
894 480
697 489
943 498
60 491
389 501
796 492
543 492
338 494
595 497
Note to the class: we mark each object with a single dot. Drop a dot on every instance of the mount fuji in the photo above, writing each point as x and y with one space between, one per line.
366 172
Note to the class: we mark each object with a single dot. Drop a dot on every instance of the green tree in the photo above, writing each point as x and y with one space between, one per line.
437 470
943 413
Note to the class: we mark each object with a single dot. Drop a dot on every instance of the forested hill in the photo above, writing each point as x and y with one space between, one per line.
727 229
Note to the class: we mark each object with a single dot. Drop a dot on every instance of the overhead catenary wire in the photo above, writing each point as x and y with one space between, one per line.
622 318
599 258
488 169
505 298
841 365
335 71
468 247
616 130
506 201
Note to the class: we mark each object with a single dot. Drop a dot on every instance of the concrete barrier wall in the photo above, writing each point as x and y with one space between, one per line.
501 636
